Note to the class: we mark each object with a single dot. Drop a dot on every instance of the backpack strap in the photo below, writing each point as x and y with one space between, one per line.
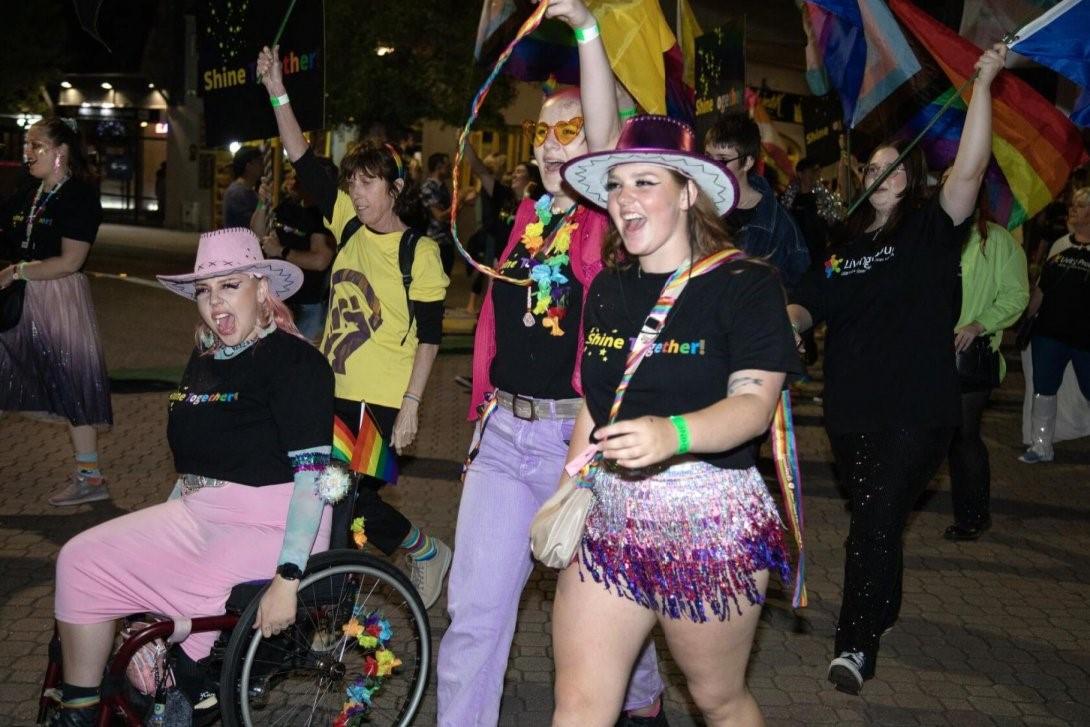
350 228
406 254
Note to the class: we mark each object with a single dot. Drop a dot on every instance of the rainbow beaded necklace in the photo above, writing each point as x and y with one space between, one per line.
547 284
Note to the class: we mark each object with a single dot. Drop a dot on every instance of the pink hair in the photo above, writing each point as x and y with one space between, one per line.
275 310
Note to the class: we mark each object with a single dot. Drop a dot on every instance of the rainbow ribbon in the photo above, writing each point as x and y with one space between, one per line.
786 457
528 27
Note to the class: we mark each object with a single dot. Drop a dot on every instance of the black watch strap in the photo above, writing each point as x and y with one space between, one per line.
289 571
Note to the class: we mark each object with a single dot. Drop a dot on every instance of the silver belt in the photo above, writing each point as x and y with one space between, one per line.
523 407
192 483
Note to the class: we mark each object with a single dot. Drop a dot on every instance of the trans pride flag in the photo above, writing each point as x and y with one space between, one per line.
641 47
866 56
1034 146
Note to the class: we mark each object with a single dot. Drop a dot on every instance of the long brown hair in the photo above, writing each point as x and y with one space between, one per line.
707 233
916 193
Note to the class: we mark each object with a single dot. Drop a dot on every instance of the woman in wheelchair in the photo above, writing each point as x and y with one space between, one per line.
249 428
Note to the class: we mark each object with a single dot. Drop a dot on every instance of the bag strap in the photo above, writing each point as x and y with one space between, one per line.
350 228
406 254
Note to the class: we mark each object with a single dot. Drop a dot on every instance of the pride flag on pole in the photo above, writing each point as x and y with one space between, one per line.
1034 145
775 150
641 47
366 453
866 56
1060 39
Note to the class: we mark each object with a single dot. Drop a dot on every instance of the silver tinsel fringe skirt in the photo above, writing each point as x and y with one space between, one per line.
687 541
51 362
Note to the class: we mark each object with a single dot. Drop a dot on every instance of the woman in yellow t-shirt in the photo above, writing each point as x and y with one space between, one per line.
380 339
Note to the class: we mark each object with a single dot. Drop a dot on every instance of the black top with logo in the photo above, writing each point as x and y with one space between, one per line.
534 360
72 211
1065 282
727 320
295 224
236 419
891 308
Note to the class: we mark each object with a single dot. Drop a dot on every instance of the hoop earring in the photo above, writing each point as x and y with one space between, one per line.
208 339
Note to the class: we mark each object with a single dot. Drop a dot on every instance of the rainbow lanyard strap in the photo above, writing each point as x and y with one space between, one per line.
784 447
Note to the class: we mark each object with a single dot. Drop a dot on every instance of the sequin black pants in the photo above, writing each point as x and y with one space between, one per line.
970 472
884 474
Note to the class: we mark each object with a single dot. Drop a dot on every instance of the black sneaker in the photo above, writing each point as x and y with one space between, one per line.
631 720
957 532
846 672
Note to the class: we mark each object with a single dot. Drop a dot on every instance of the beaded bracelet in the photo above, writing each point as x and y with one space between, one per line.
281 100
586 35
682 428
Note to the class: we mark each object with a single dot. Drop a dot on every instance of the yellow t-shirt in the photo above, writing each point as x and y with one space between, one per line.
368 315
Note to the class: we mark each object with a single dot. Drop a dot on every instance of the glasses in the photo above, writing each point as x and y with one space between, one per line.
873 170
564 131
724 161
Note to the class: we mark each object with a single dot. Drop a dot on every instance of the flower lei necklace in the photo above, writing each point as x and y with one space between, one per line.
546 280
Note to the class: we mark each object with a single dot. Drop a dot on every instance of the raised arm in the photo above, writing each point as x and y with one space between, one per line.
488 179
959 193
596 84
271 74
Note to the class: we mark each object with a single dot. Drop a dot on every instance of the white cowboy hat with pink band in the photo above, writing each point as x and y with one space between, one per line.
234 250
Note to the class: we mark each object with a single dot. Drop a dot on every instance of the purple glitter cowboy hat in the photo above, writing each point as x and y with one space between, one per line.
653 140
234 250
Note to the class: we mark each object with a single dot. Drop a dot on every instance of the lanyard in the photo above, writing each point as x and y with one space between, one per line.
37 209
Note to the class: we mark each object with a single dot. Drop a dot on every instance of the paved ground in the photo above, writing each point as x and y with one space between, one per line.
993 632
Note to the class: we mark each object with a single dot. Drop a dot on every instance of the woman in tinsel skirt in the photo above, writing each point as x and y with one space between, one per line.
682 531
51 363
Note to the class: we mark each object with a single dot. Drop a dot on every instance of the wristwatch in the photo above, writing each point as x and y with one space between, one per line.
289 571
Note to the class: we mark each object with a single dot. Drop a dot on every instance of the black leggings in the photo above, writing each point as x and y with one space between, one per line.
970 472
385 526
884 474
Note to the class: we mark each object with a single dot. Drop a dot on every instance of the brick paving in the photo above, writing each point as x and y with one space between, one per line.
995 632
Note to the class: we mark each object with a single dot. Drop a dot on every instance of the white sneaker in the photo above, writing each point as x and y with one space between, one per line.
846 672
427 575
80 490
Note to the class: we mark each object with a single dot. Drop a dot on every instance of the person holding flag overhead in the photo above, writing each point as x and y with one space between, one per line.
384 324
889 292
526 391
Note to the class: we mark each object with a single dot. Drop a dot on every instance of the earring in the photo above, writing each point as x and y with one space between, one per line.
208 339
56 163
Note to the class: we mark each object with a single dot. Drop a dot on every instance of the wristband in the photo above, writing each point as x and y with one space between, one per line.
586 35
627 114
411 397
682 428
281 100
17 273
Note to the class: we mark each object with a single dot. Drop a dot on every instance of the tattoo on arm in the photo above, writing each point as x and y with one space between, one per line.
742 382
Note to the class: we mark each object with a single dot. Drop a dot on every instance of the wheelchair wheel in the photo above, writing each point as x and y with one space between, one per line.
361 634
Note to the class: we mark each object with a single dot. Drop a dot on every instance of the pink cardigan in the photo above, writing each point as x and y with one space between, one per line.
586 257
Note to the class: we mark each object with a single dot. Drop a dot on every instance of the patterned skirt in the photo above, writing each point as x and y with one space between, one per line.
686 541
51 362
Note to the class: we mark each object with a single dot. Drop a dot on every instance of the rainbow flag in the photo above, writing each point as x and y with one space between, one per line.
367 453
641 47
866 55
1034 145
774 150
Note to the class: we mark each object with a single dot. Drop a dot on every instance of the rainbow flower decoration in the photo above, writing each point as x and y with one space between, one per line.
832 266
372 632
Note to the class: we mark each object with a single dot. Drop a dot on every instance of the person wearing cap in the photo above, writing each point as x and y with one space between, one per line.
382 334
51 361
249 430
525 397
889 294
682 526
240 199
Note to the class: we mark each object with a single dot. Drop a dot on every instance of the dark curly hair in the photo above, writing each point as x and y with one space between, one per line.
382 161
65 131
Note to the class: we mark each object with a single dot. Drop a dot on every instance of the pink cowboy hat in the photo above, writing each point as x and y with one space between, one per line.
653 140
234 250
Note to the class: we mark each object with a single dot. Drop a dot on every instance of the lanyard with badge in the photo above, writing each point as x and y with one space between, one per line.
37 207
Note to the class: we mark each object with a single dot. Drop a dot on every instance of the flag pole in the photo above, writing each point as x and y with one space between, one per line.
912 145
283 23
